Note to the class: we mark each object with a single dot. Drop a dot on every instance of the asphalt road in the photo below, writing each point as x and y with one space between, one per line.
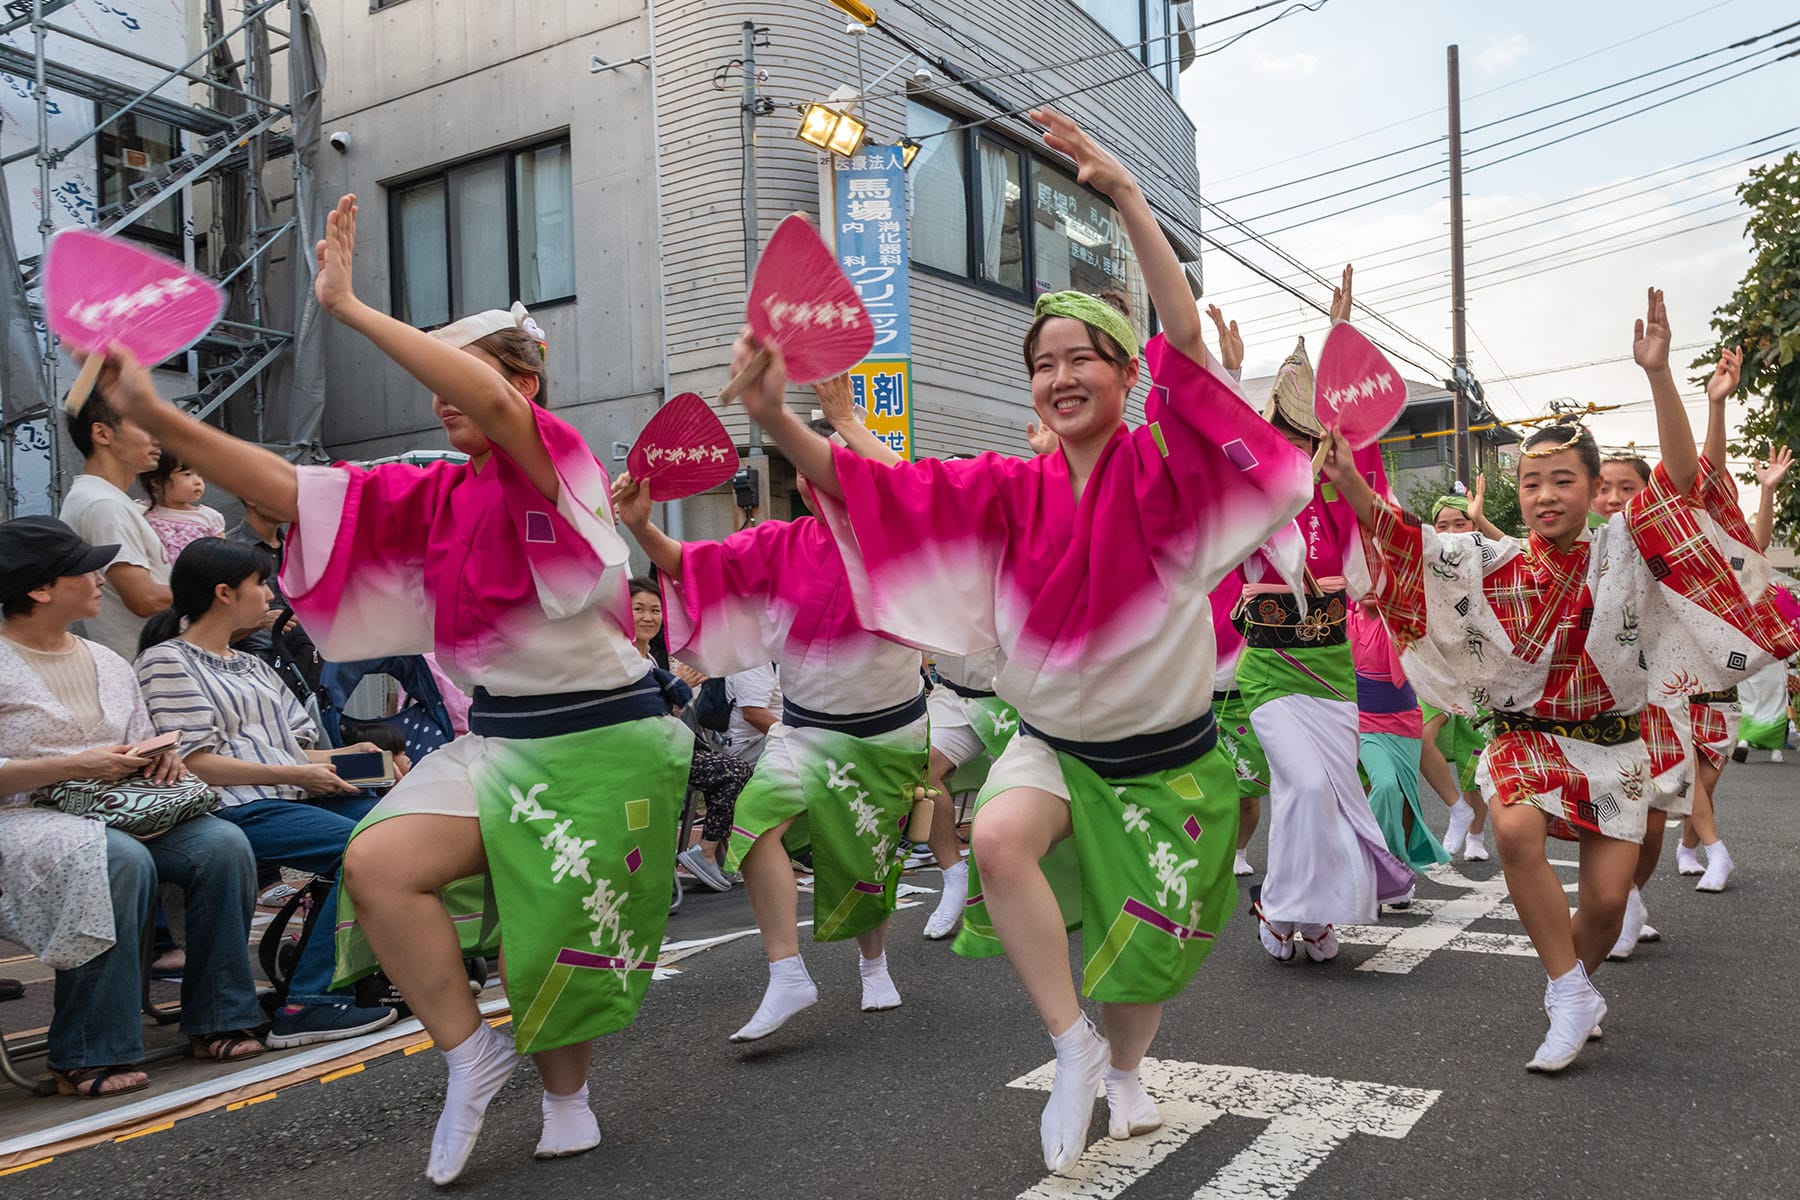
1691 1094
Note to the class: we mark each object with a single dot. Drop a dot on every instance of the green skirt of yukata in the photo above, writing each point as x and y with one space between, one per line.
1391 763
579 831
1146 876
1460 742
1237 737
849 799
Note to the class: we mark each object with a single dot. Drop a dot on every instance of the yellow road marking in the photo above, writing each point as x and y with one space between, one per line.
26 1167
420 1048
138 1133
250 1101
336 1075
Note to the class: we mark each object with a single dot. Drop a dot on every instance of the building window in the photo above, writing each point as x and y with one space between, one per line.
482 234
1010 220
132 149
937 189
1146 26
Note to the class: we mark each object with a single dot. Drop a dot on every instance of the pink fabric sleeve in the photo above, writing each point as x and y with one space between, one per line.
727 612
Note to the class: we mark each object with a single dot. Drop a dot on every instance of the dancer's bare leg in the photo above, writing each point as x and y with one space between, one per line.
946 848
1537 894
392 872
1013 831
1606 869
775 902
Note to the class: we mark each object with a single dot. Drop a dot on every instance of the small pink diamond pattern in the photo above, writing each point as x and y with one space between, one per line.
635 859
1192 825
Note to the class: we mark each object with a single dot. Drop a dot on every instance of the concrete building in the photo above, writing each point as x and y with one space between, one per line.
492 164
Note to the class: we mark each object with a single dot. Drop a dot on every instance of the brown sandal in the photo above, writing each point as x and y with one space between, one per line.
89 1083
232 1045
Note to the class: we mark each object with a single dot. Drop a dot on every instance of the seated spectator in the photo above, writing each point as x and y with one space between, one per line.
176 513
78 893
718 777
246 734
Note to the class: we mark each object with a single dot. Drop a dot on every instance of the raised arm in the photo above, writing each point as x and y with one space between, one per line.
1674 433
1478 509
265 479
1164 279
766 402
1231 342
461 380
834 399
1719 389
1338 461
631 501
1769 476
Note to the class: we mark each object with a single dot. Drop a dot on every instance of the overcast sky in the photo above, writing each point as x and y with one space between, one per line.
1360 78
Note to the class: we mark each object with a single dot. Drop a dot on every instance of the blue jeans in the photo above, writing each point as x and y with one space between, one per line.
97 1022
307 835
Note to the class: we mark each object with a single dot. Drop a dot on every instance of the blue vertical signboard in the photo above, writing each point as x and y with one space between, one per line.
869 208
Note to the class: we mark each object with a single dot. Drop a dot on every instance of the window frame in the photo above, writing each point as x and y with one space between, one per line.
509 155
149 235
1029 159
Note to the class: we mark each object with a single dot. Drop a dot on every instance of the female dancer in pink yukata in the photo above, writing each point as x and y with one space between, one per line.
566 791
1089 568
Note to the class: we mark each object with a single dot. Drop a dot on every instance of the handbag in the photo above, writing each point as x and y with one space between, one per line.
135 805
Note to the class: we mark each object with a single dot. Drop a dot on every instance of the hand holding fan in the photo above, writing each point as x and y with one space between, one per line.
683 451
99 290
801 301
1356 390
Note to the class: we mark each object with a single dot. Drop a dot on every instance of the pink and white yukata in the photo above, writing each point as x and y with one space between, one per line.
851 749
1098 605
572 764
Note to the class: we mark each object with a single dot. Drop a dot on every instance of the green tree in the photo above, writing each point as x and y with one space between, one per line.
1501 503
1763 317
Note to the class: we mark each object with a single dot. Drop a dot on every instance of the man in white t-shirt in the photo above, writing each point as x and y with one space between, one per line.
755 697
114 453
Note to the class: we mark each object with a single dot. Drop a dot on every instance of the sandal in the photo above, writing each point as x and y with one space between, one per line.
232 1045
89 1083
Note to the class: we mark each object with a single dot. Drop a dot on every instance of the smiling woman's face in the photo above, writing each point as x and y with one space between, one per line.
647 614
1077 393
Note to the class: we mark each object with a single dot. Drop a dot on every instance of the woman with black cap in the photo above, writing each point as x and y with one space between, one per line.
77 893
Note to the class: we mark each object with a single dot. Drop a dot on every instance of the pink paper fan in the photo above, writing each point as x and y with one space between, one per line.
802 301
683 451
100 289
1356 390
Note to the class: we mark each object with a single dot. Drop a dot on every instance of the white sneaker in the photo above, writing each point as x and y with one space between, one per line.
1241 865
1575 1008
1475 848
1687 861
1462 815
1718 869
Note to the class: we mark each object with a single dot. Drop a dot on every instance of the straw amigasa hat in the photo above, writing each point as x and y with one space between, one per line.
1291 395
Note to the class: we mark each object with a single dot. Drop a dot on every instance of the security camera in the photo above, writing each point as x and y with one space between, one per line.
340 141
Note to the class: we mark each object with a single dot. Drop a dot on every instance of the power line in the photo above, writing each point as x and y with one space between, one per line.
1518 154
1514 117
1520 224
1531 133
1498 262
1598 362
1432 112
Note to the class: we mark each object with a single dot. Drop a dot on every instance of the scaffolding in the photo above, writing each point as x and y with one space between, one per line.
230 127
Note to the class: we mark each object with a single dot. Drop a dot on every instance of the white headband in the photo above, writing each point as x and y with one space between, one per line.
472 329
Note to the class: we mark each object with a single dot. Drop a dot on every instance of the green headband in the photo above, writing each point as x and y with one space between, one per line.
1459 503
1091 311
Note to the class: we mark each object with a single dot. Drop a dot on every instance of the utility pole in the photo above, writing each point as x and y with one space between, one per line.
751 241
1459 371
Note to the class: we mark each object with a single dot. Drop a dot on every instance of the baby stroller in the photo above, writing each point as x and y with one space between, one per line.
424 722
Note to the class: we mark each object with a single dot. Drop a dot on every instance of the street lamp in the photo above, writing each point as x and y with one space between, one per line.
856 10
909 150
831 130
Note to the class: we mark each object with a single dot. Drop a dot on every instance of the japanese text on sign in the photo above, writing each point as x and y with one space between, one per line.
870 211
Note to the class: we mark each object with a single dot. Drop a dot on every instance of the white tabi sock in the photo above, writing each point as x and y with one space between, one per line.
1081 1059
878 991
478 1066
950 905
1129 1108
790 990
570 1126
